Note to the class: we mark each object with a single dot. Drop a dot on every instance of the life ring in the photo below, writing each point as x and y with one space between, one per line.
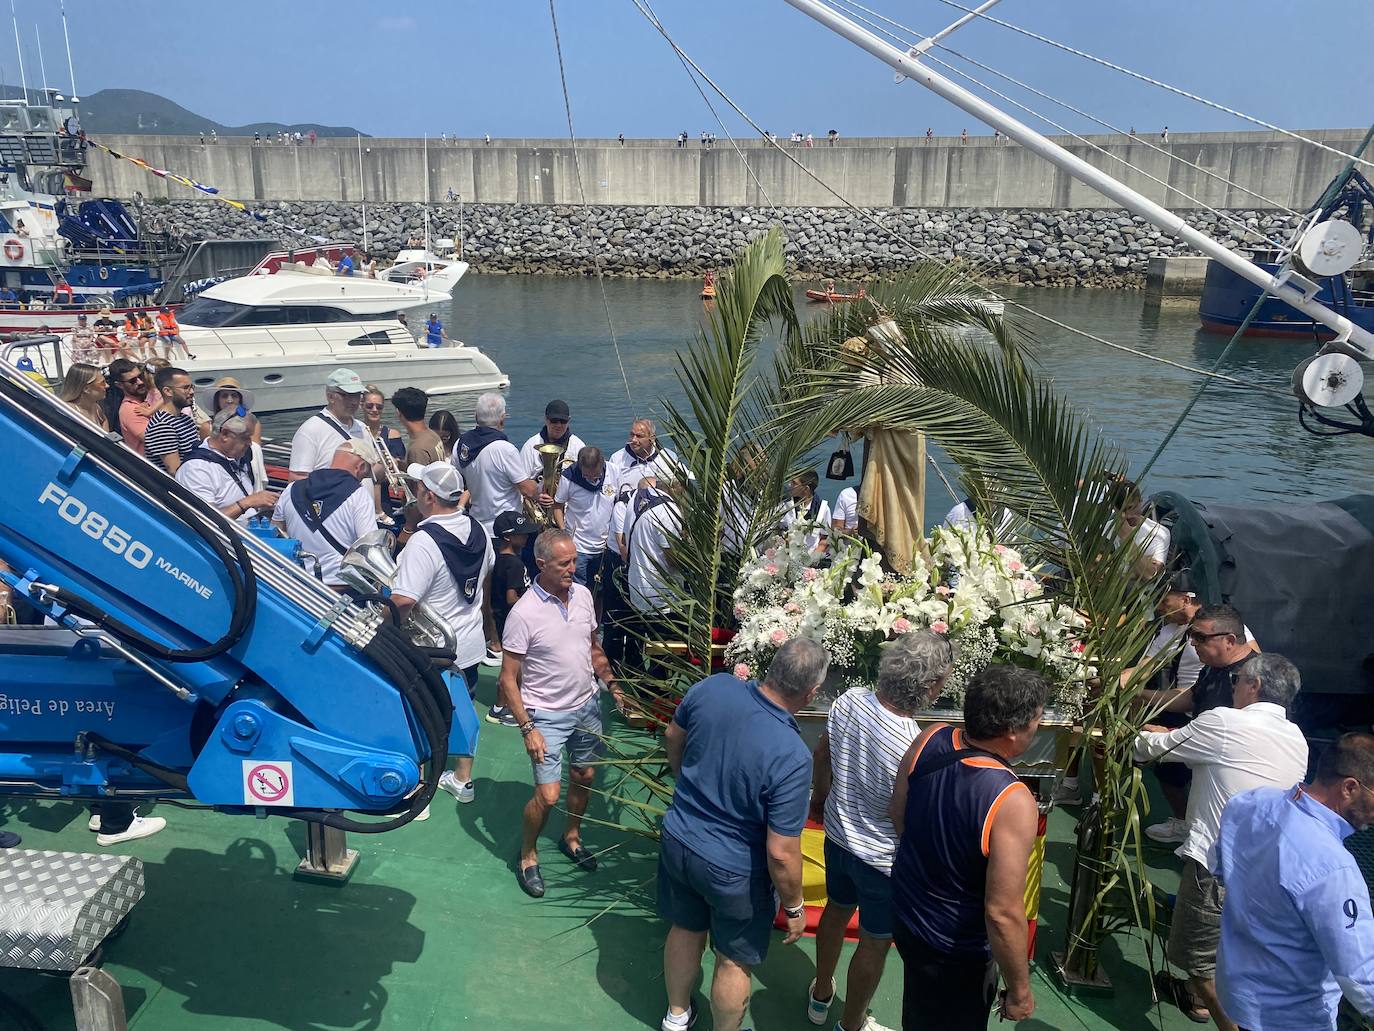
104 272
14 250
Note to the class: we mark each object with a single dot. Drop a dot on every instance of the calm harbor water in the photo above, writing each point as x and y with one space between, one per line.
550 335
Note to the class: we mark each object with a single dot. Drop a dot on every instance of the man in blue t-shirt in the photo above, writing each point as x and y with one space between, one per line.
434 331
733 832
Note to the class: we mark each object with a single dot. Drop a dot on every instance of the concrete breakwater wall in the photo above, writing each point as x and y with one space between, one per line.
1106 248
1189 171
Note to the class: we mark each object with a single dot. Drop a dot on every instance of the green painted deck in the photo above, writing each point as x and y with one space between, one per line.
432 932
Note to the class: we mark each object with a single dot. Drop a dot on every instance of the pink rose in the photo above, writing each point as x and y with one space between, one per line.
739 612
901 625
1001 549
778 637
771 553
940 627
1032 627
792 608
771 569
810 574
1015 566
943 591
1077 648
742 670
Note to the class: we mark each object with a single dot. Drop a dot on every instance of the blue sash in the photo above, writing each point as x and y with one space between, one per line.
464 561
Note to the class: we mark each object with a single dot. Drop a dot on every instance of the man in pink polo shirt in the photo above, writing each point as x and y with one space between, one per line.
549 683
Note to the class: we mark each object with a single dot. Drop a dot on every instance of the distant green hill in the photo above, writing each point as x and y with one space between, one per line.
136 111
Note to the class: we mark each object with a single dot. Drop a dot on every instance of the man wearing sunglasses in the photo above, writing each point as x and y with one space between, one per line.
1245 742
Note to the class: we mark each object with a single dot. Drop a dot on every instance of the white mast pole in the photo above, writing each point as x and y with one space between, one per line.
909 66
362 180
23 80
71 69
427 193
42 65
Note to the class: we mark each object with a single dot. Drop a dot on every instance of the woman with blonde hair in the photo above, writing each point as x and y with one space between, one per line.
84 389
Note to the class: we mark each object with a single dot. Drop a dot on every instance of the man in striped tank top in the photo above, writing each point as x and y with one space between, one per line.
855 770
967 825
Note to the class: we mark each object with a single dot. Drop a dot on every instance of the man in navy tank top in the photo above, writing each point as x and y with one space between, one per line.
967 825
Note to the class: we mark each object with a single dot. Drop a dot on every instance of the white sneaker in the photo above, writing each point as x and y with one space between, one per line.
1171 831
142 827
492 658
463 792
869 1024
816 1011
681 1022
93 824
424 815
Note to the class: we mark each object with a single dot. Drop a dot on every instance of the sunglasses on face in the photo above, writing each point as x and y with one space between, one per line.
373 408
557 422
1195 636
1239 678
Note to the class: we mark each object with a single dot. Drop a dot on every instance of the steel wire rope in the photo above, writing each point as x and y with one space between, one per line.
886 231
653 18
1143 141
586 208
1327 196
1157 82
841 5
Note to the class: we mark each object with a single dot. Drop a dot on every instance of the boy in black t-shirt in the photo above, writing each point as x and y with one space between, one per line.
509 580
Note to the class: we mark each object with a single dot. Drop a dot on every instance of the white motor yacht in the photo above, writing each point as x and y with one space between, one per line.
282 333
420 267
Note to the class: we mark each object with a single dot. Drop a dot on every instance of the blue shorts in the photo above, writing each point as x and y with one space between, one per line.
849 882
737 908
588 566
578 730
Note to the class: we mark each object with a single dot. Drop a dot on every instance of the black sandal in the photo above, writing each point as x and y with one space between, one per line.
1176 990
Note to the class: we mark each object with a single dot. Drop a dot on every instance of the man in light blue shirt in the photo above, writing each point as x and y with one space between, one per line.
1296 931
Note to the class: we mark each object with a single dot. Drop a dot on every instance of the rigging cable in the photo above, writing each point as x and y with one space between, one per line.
1162 85
1327 196
903 241
1143 141
840 5
586 209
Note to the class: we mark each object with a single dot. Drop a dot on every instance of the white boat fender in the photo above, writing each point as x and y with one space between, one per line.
104 272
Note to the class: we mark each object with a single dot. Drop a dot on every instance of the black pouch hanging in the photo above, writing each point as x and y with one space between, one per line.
840 466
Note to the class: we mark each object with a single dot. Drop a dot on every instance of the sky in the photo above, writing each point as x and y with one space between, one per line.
489 66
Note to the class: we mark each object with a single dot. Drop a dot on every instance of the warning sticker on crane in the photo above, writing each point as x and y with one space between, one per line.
268 783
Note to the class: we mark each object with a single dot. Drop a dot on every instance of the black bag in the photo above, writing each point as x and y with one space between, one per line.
840 466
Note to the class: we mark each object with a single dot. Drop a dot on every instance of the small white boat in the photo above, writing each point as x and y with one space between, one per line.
420 267
282 333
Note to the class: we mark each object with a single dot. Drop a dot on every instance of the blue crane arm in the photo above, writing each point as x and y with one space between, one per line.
203 664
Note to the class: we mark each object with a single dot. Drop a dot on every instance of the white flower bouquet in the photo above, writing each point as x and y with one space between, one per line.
979 593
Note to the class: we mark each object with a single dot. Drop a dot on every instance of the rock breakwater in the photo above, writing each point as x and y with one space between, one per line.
1100 248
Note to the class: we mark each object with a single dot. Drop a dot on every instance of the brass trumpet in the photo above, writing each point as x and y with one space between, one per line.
551 467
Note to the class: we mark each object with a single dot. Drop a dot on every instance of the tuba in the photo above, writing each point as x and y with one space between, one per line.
551 467
368 567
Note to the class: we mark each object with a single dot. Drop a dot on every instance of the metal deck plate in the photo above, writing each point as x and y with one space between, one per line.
56 907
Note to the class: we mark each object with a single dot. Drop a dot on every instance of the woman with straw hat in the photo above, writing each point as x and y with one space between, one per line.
228 392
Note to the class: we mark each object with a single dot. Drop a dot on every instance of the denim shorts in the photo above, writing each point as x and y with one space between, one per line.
849 881
578 730
696 895
588 566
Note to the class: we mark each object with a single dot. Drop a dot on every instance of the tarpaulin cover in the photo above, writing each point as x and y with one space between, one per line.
1302 576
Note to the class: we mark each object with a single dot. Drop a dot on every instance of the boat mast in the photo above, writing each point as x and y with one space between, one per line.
909 65
42 65
426 193
23 80
71 70
362 181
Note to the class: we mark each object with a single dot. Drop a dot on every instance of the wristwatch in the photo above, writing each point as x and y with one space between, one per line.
794 911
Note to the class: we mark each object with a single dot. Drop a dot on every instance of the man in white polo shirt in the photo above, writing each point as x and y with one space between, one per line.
557 430
496 476
217 473
447 565
582 506
652 518
328 511
640 457
552 660
314 444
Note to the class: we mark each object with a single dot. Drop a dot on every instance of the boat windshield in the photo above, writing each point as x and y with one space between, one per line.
209 313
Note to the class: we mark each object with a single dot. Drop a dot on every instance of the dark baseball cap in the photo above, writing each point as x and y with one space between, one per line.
508 524
557 410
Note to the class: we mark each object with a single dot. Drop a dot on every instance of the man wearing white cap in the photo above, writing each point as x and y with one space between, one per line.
328 511
315 442
447 565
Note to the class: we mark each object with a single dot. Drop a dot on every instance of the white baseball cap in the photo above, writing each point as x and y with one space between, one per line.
439 477
345 380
